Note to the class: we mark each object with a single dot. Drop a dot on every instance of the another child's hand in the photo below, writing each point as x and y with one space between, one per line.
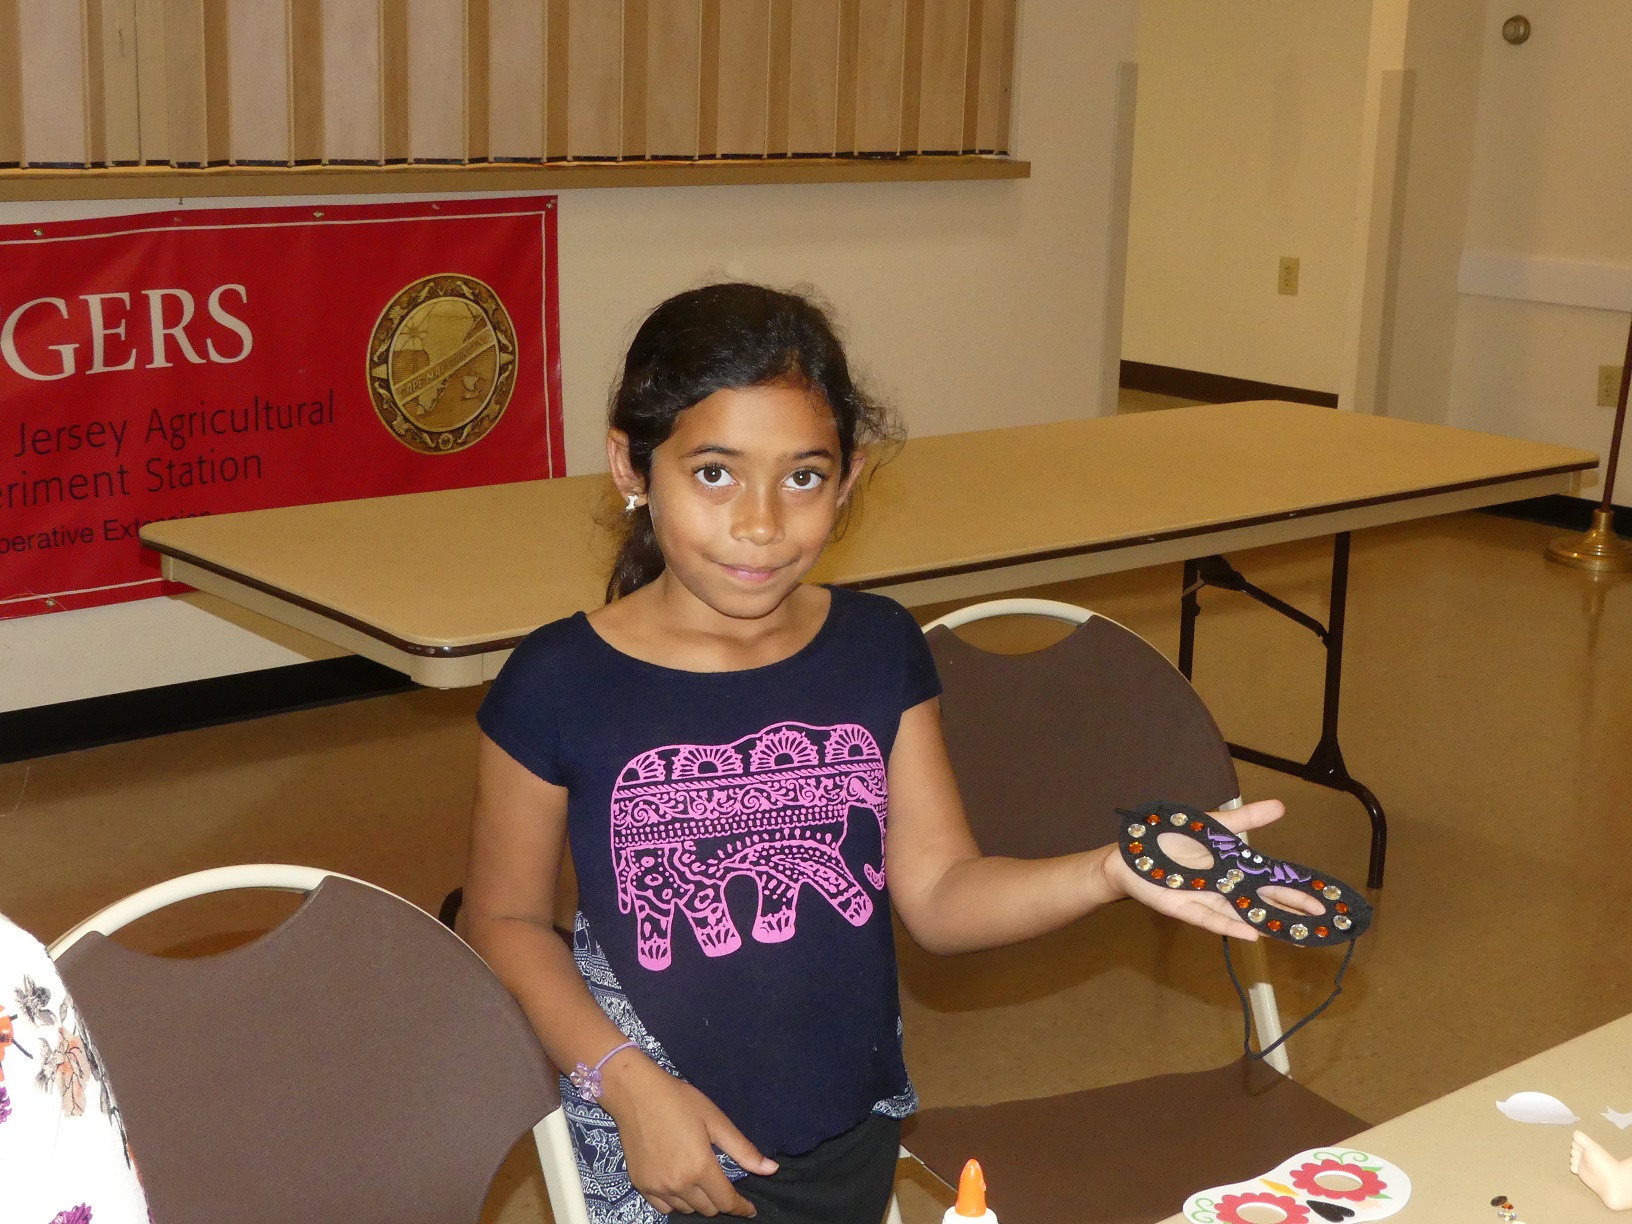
1208 910
669 1132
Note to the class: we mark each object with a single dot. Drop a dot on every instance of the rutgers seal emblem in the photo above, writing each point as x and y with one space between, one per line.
442 363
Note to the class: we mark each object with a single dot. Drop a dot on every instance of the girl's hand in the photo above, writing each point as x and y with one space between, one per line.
1208 910
669 1132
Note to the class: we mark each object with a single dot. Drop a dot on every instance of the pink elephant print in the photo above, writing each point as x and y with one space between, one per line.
773 806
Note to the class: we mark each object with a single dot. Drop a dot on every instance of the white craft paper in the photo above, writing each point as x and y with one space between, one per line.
1622 1120
1383 1189
1539 1108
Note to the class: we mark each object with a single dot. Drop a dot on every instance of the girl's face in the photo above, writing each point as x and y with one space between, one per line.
744 494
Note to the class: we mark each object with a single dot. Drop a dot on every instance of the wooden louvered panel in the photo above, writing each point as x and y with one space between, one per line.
940 91
880 60
11 86
516 97
344 53
674 59
195 83
255 73
51 35
595 78
744 68
435 93
813 77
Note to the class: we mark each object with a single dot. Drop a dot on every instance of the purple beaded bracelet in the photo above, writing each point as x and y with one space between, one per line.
587 1079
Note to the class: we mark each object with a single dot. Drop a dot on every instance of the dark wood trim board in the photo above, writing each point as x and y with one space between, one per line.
72 725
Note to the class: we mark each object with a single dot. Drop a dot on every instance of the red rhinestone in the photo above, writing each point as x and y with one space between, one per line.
1243 902
1341 908
1198 882
1321 932
1153 820
1318 885
1157 874
1196 826
1136 847
1274 924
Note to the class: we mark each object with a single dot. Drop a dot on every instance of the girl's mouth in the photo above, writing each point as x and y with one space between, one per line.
751 573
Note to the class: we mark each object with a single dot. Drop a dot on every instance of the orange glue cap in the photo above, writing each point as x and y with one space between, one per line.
971 1191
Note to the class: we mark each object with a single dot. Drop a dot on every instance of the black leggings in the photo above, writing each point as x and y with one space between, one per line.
846 1180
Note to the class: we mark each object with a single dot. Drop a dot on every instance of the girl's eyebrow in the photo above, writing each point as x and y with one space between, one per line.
715 448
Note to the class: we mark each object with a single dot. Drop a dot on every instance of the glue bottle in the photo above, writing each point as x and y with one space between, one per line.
971 1207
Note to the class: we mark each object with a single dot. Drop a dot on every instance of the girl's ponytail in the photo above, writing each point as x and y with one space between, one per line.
639 559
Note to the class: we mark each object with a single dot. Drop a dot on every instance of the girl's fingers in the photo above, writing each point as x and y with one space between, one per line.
1249 816
723 1134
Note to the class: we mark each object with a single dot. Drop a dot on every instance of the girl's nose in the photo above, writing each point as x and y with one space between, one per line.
758 518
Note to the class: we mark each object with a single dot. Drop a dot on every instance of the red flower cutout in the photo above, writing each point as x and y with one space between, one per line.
1303 1177
1228 1214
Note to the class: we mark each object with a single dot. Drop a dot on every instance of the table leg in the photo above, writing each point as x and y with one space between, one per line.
1325 765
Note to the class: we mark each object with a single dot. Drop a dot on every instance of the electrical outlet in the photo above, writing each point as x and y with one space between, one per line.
1609 386
1287 280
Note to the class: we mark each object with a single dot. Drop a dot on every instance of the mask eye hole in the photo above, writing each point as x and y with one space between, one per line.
1291 899
1185 850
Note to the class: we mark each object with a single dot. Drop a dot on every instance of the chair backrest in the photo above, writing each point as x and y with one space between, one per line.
359 1062
1047 745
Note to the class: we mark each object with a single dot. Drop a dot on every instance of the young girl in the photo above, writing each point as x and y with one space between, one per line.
720 742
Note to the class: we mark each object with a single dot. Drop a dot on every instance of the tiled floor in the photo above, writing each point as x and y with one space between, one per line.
1487 700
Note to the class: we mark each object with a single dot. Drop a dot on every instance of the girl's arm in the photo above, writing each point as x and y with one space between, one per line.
954 899
518 833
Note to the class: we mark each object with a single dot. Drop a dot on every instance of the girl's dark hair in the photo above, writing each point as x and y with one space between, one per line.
709 339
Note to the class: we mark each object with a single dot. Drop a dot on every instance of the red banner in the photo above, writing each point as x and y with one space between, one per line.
175 364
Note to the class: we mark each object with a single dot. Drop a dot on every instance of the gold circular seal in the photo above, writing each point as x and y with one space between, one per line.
442 363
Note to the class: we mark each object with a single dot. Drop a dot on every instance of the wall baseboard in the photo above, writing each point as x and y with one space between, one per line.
72 725
1562 511
1214 388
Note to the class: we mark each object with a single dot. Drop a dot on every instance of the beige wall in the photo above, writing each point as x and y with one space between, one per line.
1441 44
1549 216
971 304
1246 149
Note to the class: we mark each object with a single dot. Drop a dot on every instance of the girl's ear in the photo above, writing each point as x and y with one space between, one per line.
857 462
623 470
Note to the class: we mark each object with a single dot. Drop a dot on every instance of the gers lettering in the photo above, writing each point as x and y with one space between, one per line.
42 339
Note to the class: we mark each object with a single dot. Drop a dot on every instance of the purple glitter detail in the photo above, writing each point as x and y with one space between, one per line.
74 1215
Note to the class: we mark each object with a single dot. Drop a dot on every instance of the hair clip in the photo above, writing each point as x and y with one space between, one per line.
1240 873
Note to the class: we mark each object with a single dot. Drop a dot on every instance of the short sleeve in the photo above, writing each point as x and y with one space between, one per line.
921 680
522 711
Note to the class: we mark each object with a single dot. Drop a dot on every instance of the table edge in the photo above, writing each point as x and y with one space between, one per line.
490 645
1211 528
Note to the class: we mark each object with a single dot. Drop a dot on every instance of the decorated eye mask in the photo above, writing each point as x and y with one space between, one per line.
1240 873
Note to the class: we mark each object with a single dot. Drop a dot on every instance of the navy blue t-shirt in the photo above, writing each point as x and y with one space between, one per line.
727 830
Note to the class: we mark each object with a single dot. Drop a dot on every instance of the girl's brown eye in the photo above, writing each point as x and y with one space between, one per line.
713 476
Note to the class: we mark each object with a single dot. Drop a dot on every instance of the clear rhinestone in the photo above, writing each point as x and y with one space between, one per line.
1144 862
1226 885
1257 858
1136 830
1299 931
1256 914
1341 922
1176 819
1175 880
1235 875
1332 893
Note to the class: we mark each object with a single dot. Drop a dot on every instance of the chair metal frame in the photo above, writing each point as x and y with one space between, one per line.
550 1134
1266 1014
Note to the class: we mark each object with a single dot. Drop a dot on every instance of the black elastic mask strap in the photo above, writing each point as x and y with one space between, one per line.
1246 1006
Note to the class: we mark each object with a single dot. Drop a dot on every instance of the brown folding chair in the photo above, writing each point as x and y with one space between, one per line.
358 1063
1046 746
